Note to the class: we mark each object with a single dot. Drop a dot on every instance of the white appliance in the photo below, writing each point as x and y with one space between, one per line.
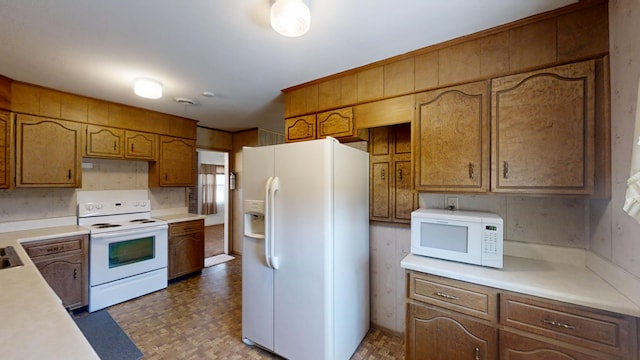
127 248
305 255
472 237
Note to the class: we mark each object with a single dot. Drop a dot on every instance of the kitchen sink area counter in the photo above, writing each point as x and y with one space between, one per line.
177 217
33 322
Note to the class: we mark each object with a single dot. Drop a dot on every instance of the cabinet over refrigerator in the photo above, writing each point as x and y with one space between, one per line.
305 257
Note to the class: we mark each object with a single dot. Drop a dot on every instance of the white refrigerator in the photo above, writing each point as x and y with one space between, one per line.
305 254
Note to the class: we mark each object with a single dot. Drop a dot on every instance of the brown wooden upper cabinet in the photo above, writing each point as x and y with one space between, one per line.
336 123
451 141
103 142
140 145
542 131
5 150
300 128
176 163
48 152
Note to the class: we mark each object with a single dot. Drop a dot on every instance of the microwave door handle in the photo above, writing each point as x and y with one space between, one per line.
275 186
267 219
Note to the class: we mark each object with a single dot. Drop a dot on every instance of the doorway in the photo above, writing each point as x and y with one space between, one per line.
212 202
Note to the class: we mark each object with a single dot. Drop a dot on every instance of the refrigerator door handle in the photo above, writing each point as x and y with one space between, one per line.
275 186
267 220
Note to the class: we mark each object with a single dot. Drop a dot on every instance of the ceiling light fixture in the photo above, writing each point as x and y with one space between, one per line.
147 88
290 17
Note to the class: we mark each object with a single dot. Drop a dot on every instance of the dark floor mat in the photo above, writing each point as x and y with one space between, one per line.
107 338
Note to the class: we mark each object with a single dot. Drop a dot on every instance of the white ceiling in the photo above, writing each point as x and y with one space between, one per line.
97 47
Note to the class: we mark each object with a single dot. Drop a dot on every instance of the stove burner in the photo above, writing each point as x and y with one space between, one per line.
103 226
100 224
143 221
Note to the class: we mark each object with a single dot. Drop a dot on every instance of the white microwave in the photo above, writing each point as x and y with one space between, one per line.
472 237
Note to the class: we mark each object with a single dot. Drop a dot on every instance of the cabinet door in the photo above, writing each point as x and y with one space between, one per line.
48 152
516 347
67 277
433 334
300 129
139 145
336 123
103 142
175 165
186 254
451 139
380 164
392 198
404 198
542 131
5 150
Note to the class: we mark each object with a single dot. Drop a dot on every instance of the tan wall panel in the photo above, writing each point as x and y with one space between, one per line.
24 98
214 139
370 84
426 71
385 112
494 54
532 45
311 98
5 93
73 107
348 90
583 33
294 102
49 103
97 112
329 94
459 63
399 77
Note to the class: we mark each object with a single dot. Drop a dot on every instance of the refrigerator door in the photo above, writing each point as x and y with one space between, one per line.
303 245
257 277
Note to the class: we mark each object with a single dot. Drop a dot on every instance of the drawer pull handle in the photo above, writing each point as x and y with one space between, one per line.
558 324
75 273
446 296
477 354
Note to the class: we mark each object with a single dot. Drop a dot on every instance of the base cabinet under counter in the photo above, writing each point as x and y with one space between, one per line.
63 262
451 319
186 248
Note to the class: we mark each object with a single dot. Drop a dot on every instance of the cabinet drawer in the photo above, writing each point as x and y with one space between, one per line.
589 328
51 247
455 295
186 227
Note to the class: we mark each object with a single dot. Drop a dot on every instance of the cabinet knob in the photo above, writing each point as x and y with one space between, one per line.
75 273
131 147
400 174
69 174
472 169
115 145
309 130
382 174
477 354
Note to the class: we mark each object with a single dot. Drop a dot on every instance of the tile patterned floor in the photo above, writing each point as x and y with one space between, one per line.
200 318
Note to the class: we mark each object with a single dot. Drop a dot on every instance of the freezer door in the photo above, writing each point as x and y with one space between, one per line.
257 277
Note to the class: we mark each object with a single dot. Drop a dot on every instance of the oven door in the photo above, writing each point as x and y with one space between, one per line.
116 255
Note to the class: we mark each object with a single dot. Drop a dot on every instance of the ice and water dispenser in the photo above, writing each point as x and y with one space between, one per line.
254 219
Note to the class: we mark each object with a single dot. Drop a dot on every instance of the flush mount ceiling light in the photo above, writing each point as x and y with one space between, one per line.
290 17
147 88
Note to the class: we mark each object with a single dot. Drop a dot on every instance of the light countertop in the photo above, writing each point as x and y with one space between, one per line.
569 283
180 217
33 322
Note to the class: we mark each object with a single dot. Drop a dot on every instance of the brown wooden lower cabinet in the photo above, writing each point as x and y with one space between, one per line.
63 262
186 248
437 334
451 319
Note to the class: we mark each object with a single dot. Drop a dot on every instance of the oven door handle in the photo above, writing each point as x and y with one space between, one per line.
128 233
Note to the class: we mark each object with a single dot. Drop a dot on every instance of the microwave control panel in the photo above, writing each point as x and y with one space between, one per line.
490 239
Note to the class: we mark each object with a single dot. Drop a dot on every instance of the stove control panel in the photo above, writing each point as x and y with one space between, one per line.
113 207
